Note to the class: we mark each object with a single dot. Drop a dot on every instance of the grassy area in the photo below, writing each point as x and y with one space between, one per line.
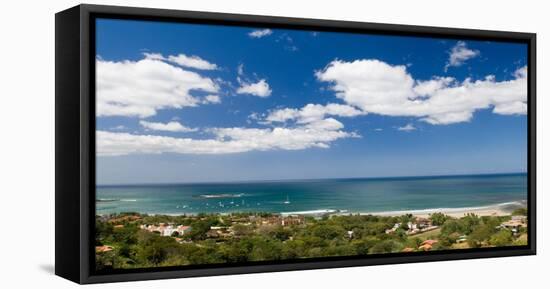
463 245
428 235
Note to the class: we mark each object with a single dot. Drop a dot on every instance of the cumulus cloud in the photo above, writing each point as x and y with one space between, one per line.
192 61
407 127
312 112
172 126
374 86
181 59
459 54
212 98
140 88
260 88
225 140
260 33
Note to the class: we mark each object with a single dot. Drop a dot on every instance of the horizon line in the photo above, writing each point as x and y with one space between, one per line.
305 179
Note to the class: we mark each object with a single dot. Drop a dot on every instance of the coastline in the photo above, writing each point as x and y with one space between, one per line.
499 209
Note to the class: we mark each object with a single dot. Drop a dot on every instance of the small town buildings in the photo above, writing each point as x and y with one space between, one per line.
414 227
219 232
167 230
292 220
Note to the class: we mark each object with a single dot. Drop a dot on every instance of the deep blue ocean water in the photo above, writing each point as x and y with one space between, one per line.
352 195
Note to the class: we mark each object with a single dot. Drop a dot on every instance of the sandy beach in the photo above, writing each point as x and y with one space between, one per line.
502 209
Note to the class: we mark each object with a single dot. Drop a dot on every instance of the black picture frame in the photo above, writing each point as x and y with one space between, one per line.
75 141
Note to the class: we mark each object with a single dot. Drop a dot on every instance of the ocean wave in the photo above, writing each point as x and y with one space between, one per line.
311 212
506 206
221 196
115 200
106 200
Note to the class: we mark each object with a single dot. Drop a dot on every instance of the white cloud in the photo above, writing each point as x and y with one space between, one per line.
172 126
260 88
429 87
459 54
408 127
212 98
380 88
325 124
260 33
312 112
192 61
240 69
140 88
118 127
226 140
511 108
154 56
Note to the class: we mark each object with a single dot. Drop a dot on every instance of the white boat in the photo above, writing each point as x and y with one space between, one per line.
287 200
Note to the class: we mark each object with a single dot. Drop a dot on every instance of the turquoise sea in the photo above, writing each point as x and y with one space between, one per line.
348 195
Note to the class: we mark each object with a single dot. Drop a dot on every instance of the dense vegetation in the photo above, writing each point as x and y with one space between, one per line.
133 247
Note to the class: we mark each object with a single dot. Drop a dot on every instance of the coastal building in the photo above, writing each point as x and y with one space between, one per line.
292 220
427 245
217 228
419 225
429 242
423 223
103 249
219 232
212 234
394 228
182 230
271 220
514 224
166 230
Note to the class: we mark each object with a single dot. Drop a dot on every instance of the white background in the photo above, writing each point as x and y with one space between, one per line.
27 144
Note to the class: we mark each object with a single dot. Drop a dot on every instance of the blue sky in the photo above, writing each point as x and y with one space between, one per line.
197 103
